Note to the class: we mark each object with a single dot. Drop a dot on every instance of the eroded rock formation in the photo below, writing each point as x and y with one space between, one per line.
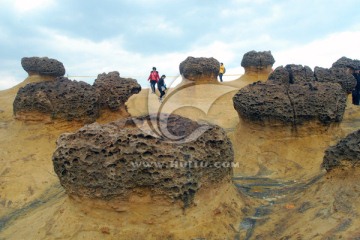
114 91
291 96
115 160
344 154
43 66
63 98
200 69
345 62
336 75
257 59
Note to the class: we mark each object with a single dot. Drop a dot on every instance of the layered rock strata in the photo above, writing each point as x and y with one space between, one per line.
115 160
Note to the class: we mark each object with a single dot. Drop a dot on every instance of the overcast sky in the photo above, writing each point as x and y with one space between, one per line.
131 36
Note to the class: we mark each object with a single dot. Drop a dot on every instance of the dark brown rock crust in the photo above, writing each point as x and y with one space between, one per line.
200 69
345 153
114 91
345 62
61 99
43 66
113 160
336 75
291 96
257 59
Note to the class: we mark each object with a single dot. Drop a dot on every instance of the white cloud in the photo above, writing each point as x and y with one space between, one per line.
23 6
323 52
7 80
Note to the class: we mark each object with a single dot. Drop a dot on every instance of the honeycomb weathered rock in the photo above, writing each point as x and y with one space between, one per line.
113 160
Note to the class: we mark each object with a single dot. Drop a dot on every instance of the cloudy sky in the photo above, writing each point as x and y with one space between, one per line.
131 36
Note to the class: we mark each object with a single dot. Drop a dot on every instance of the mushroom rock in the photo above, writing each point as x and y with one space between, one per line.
255 62
114 91
60 99
336 75
291 96
43 66
200 70
345 62
115 160
346 153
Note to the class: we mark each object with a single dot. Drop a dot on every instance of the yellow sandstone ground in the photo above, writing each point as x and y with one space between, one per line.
33 205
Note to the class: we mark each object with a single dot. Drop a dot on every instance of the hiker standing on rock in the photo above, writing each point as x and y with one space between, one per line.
221 71
153 78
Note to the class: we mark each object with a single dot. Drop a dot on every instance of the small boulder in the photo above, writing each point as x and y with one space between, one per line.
345 62
114 91
336 75
114 160
257 59
204 70
43 66
346 153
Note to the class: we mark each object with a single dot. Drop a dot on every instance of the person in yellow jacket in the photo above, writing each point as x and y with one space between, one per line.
221 71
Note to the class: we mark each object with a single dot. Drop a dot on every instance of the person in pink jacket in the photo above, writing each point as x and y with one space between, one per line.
153 78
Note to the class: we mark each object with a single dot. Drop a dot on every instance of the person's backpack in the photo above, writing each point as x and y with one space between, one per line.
224 70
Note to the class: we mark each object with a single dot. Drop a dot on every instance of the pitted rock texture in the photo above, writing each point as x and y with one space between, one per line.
345 153
113 160
291 96
63 98
200 69
43 66
345 62
336 75
114 91
257 59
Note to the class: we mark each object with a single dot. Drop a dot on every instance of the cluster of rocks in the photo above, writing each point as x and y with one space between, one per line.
200 69
71 100
295 94
113 160
344 154
61 99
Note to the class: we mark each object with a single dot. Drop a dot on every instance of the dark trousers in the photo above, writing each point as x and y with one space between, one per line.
220 76
355 97
152 84
162 93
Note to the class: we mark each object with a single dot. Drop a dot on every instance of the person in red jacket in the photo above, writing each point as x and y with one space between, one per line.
153 78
